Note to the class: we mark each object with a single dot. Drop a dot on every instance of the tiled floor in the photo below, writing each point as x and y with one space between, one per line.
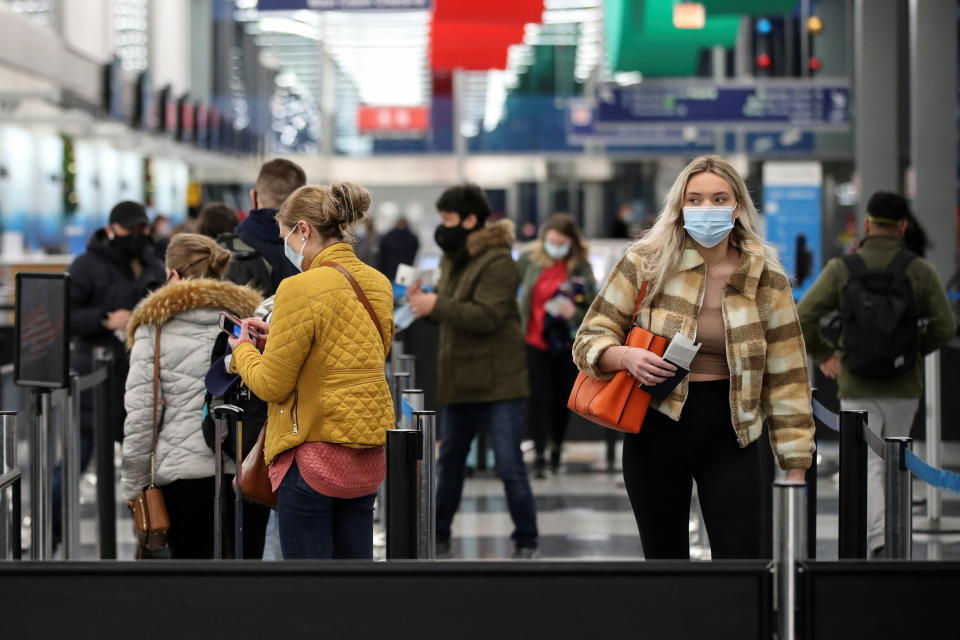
584 514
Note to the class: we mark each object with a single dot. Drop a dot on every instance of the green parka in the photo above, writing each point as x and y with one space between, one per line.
481 356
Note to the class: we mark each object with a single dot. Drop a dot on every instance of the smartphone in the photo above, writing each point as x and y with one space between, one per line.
232 325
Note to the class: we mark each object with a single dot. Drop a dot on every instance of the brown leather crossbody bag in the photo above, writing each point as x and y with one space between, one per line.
150 520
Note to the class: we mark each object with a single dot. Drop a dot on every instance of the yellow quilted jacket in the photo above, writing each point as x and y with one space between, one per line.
322 370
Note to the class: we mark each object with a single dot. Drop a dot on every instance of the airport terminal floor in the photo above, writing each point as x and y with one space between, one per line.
513 319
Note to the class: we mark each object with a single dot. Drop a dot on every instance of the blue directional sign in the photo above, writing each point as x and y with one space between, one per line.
801 104
341 5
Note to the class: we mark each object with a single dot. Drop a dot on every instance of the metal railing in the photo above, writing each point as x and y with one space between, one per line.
10 479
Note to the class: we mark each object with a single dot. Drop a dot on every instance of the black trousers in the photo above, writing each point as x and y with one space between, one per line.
190 507
551 379
661 463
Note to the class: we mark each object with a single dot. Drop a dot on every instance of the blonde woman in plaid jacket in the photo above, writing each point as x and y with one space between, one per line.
710 277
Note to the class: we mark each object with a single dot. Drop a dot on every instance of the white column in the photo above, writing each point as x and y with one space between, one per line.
933 131
170 46
876 66
87 28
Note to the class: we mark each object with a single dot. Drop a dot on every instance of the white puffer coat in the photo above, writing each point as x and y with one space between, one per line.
188 312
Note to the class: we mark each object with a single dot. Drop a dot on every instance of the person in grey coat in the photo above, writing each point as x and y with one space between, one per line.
185 313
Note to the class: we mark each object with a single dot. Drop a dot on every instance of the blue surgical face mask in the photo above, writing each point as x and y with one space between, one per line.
293 256
556 251
708 226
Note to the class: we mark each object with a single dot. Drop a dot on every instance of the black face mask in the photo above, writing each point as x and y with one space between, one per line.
451 239
132 246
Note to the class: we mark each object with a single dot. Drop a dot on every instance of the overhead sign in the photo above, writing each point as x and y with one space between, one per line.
341 5
393 119
804 104
792 193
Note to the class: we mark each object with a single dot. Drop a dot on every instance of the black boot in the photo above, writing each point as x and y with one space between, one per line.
555 458
540 468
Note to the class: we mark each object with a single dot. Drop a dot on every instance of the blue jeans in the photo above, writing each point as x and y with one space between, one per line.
315 526
504 422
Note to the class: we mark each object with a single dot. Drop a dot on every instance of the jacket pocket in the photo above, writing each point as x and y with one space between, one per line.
751 365
285 416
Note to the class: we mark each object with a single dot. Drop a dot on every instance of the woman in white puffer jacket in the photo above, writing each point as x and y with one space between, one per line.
186 309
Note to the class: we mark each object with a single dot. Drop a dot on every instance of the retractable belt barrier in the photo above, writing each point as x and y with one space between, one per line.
899 463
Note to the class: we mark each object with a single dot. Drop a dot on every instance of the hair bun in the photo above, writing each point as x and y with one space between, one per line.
219 259
353 201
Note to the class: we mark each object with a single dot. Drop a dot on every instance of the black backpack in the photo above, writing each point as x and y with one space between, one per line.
247 266
879 319
254 410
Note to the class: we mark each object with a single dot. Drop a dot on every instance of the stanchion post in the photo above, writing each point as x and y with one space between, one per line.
218 489
396 350
40 502
412 398
408 364
404 450
932 405
788 535
8 463
399 383
426 422
898 500
70 530
811 477
106 474
853 485
231 415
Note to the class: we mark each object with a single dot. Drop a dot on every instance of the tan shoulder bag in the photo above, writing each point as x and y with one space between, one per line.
150 520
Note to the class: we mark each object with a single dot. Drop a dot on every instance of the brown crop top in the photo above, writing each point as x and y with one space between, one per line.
711 360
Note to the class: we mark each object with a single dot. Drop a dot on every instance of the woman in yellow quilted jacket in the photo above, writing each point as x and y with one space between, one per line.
322 375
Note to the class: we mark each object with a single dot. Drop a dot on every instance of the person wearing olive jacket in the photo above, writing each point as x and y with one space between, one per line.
557 286
481 370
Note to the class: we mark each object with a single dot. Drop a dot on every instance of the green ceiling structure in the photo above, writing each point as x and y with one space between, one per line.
640 35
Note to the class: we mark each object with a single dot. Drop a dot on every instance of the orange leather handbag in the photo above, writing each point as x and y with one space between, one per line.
619 403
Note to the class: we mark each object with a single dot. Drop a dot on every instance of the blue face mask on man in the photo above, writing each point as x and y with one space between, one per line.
708 226
293 256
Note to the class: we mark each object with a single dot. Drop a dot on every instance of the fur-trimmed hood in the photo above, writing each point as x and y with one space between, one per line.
497 234
187 295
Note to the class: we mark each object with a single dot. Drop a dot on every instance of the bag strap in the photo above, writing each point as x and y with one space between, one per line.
636 311
900 262
855 265
361 295
156 407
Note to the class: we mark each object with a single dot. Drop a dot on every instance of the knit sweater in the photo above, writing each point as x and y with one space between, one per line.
764 345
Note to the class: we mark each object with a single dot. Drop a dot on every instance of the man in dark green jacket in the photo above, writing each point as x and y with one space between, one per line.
481 370
890 402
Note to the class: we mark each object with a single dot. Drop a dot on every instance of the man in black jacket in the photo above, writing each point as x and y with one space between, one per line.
398 246
258 257
119 268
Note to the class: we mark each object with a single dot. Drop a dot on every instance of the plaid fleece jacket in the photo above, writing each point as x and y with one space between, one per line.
765 349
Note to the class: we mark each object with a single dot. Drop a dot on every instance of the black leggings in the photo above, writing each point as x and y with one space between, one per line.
551 379
661 462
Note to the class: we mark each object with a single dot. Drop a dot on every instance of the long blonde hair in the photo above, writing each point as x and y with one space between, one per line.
661 248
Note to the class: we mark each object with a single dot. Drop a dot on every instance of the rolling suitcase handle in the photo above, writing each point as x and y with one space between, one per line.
233 415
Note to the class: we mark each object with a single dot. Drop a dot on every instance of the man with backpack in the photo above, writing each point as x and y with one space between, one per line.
256 245
893 310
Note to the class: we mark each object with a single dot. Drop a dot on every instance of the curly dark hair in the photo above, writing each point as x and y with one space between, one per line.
465 199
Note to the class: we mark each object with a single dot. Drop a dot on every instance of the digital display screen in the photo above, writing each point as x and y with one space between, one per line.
42 329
